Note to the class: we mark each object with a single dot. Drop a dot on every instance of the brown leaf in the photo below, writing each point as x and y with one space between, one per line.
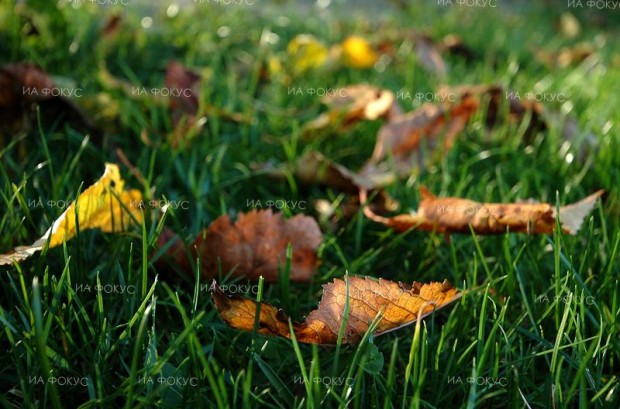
454 45
187 83
112 26
188 118
457 215
398 304
428 55
402 137
24 85
492 97
255 245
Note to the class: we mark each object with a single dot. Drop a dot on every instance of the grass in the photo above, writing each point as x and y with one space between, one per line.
542 331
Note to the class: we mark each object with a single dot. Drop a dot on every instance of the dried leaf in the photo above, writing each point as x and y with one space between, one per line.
24 85
398 304
492 98
255 245
457 215
429 56
352 104
306 52
105 205
185 83
402 137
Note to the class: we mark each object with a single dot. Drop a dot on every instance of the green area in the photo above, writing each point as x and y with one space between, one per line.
541 331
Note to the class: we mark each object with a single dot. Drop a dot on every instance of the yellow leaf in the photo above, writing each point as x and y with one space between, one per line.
357 53
106 205
306 52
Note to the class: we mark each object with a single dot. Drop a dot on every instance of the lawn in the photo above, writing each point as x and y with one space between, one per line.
108 320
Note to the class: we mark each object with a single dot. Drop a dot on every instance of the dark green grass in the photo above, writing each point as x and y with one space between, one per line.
541 330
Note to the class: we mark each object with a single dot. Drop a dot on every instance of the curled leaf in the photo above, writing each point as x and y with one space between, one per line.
457 215
397 304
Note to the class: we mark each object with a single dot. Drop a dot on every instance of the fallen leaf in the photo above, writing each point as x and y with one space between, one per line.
569 25
184 84
112 26
23 86
351 104
436 127
457 215
105 205
314 168
358 53
255 245
306 52
402 137
398 304
429 56
454 45
492 98
566 56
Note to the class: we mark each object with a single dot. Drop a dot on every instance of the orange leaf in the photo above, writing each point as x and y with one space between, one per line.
403 135
398 304
456 215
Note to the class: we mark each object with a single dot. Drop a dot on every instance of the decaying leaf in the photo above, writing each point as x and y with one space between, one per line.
105 205
457 215
398 304
255 245
352 104
184 84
